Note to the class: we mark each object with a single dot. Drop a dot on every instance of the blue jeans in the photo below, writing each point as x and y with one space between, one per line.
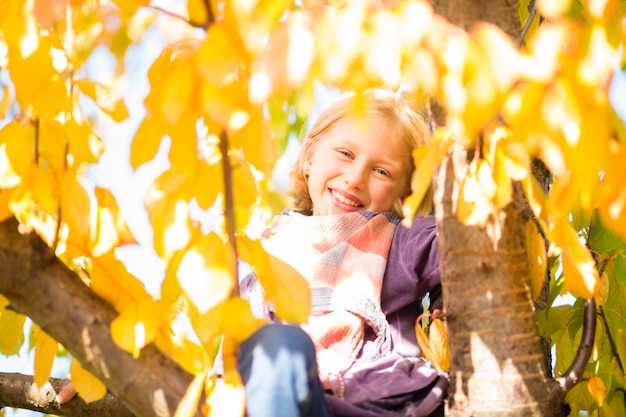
279 371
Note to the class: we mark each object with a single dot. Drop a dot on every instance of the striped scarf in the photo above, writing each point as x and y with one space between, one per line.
343 257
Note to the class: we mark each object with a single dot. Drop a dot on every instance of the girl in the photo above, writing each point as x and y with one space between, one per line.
357 355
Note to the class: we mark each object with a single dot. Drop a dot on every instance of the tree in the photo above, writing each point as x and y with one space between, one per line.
227 90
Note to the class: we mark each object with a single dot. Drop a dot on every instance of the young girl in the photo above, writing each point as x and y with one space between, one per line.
357 355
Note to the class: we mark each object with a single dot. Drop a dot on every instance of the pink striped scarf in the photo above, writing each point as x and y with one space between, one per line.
343 257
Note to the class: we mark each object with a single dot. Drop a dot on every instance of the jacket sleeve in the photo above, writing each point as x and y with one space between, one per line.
412 265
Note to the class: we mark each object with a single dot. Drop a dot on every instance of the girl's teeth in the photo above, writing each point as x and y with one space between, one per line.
344 200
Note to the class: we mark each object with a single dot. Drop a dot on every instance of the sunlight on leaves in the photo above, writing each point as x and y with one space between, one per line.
205 271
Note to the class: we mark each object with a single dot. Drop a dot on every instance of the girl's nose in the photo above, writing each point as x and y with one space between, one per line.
355 177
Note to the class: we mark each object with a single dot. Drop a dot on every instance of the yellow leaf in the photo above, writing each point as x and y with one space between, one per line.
191 356
146 142
177 88
206 271
88 387
613 196
207 191
19 27
257 140
425 345
188 405
227 397
111 280
597 389
438 338
75 204
111 229
11 329
35 88
581 275
6 102
283 285
84 144
425 158
227 105
108 99
167 202
239 322
45 351
135 327
537 260
475 203
197 11
219 56
15 155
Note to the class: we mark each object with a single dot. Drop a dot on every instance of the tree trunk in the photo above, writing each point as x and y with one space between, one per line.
498 366
40 286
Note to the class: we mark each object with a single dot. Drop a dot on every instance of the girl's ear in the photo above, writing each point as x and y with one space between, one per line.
307 153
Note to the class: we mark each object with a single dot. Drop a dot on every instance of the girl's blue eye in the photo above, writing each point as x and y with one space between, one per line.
382 172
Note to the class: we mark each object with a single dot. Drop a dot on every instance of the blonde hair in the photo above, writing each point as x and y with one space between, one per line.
398 112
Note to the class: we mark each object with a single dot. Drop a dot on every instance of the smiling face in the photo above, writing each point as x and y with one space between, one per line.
355 169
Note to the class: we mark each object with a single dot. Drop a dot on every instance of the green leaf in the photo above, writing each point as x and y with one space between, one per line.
603 240
615 315
551 320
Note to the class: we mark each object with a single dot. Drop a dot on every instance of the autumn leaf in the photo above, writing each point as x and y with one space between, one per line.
425 159
15 155
88 387
135 327
111 229
108 99
239 323
206 271
283 285
435 346
45 351
537 259
597 389
11 329
75 204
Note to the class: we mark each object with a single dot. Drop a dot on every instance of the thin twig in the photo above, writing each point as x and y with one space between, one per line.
532 12
229 205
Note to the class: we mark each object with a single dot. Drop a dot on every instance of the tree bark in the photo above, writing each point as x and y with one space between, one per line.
20 391
40 286
498 367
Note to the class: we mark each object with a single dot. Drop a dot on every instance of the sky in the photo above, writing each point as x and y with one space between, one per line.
129 186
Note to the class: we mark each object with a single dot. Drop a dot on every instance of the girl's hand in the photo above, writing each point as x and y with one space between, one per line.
66 394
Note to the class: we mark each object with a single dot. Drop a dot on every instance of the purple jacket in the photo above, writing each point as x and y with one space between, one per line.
400 384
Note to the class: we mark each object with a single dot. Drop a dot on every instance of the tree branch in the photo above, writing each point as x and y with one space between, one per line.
41 287
20 391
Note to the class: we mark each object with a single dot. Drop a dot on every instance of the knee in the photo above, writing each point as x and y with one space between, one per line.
276 337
